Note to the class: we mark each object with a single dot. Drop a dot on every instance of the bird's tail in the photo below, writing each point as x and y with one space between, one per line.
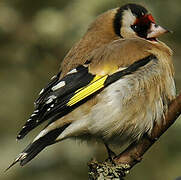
34 148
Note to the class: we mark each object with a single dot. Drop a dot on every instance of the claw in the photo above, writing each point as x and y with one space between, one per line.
111 154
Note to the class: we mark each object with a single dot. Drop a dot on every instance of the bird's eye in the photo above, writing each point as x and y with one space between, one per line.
135 27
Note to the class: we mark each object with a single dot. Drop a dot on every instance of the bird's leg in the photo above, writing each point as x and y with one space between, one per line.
111 154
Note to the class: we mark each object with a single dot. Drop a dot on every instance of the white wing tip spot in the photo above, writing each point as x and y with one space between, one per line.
59 85
52 97
33 115
41 91
53 77
72 71
49 100
52 105
29 120
19 136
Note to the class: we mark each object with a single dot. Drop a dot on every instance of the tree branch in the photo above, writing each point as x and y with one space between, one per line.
134 152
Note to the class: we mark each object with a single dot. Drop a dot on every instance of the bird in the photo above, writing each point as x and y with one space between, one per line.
114 84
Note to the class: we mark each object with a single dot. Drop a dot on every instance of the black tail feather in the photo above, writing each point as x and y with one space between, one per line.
34 148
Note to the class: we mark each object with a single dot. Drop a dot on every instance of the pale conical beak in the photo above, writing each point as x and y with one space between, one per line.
155 31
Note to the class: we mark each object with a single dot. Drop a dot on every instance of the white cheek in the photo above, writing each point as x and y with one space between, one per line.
128 20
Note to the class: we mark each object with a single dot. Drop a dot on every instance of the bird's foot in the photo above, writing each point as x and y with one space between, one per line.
111 155
107 170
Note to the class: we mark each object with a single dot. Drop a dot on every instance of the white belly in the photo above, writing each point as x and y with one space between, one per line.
125 110
123 113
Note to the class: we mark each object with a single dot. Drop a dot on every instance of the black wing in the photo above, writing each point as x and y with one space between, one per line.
62 96
66 96
53 99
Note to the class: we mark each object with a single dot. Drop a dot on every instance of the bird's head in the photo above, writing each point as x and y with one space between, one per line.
132 20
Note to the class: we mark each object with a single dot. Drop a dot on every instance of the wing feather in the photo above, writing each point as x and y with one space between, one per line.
52 100
78 87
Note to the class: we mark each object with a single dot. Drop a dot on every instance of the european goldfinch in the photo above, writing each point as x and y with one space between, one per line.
114 84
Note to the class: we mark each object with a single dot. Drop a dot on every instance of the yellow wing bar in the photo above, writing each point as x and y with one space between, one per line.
96 84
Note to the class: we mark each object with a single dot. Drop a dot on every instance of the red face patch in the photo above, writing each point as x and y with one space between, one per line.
142 25
144 20
150 17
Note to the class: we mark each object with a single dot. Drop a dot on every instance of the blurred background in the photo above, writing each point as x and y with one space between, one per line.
34 38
